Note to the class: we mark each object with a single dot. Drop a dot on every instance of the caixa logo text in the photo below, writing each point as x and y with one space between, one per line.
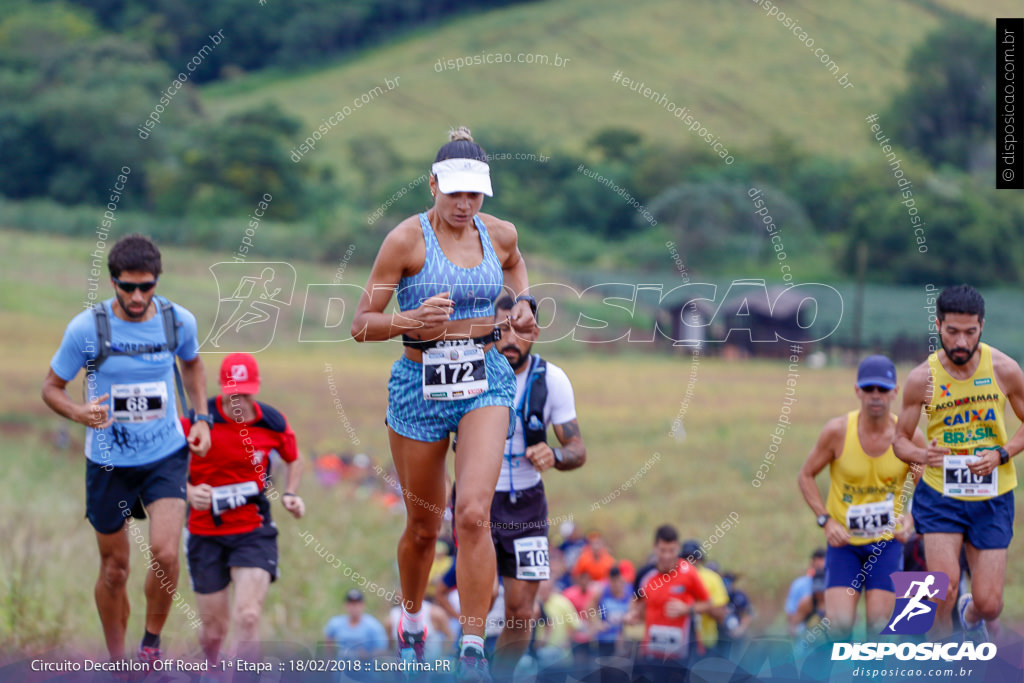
948 652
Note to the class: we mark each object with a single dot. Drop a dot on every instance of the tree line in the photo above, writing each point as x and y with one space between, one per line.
77 90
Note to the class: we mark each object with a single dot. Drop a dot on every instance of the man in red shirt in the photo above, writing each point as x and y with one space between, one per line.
668 593
232 538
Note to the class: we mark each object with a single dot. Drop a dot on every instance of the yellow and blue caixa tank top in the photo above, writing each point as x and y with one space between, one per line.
965 416
472 290
865 492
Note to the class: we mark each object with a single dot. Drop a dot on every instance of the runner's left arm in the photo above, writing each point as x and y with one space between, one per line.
1011 381
574 451
905 523
515 279
288 448
193 376
291 500
561 411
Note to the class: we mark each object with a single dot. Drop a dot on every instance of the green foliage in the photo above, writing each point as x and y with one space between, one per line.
273 33
615 144
717 225
948 110
72 104
229 166
30 34
70 99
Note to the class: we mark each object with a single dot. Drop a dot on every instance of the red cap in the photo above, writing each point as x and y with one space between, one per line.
239 374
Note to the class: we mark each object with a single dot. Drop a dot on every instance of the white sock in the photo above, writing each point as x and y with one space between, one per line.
968 624
471 641
412 622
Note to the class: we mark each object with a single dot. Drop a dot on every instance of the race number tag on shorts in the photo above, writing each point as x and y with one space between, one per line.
869 520
958 480
664 640
532 558
139 402
454 371
232 496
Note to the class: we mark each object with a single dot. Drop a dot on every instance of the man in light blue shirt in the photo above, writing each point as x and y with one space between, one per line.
356 634
801 587
136 451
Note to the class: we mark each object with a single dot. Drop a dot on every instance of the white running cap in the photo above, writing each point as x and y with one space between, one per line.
463 175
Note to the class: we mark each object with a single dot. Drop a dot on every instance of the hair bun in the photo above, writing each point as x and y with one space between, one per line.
460 133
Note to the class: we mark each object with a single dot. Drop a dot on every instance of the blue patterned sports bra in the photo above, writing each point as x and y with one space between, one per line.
473 290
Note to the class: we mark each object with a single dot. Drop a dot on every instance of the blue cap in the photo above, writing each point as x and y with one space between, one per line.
876 371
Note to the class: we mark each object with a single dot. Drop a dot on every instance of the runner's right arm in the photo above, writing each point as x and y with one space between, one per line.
370 323
823 453
905 523
915 396
95 413
200 496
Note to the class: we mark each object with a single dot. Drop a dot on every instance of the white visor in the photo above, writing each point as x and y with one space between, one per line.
463 175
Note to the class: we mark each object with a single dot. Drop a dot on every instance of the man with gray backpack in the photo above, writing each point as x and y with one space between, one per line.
136 450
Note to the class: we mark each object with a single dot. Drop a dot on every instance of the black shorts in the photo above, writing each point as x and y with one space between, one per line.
525 521
113 494
210 558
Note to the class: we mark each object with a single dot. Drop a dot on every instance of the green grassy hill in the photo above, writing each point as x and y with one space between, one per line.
741 73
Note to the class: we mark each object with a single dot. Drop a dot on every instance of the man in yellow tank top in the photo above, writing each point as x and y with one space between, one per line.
967 487
864 520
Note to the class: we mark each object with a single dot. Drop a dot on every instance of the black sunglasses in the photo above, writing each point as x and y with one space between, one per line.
130 287
873 388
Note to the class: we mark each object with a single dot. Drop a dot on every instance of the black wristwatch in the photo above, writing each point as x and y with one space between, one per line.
194 417
823 520
530 300
1004 455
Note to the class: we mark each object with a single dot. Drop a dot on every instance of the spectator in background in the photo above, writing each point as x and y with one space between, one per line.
801 586
741 614
572 543
582 594
446 598
666 594
556 619
559 570
707 626
444 562
612 607
810 611
594 559
356 635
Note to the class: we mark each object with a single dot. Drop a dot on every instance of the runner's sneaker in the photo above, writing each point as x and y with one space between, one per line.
978 630
148 655
473 667
410 645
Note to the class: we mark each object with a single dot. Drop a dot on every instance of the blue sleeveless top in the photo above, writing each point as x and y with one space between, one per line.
473 290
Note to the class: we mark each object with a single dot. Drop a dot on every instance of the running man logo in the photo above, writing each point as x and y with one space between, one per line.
914 613
247 317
